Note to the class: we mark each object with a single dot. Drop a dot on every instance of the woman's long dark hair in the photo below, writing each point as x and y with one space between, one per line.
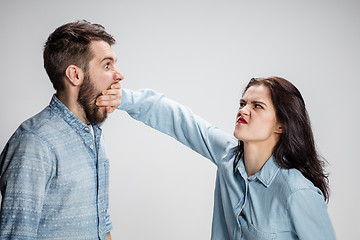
296 145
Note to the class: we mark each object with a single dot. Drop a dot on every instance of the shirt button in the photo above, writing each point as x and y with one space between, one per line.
91 146
86 129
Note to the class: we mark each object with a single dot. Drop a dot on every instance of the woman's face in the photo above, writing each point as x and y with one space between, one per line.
256 119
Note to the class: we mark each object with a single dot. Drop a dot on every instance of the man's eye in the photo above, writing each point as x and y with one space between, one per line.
242 104
107 66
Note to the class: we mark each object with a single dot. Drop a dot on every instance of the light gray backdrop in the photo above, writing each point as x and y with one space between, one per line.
200 53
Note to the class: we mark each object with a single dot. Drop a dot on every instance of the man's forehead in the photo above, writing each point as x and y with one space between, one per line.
102 51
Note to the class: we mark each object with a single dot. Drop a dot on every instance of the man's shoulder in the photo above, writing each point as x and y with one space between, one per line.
44 125
39 122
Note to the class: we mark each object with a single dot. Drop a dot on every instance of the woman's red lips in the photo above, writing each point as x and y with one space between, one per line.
242 120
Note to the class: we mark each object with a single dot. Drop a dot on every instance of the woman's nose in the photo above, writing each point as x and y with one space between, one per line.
244 110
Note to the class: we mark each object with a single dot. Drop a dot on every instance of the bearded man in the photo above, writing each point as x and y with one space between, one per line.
54 171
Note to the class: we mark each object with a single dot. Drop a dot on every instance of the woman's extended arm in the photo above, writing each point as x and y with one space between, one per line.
177 121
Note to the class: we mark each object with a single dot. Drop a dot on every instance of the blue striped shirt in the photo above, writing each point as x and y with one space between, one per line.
54 179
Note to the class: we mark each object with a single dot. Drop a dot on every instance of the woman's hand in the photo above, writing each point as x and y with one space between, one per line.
110 98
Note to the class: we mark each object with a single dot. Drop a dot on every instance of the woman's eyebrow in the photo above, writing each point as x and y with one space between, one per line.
253 102
259 102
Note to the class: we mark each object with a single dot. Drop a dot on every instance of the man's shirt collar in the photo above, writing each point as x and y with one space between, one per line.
65 113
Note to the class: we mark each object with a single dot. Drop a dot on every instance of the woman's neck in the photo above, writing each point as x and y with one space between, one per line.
255 156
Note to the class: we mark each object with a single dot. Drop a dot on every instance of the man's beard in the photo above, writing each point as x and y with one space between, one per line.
87 97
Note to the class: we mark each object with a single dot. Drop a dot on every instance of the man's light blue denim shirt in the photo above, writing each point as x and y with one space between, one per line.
54 179
274 203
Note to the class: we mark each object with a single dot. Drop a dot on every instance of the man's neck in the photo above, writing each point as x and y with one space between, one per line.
70 101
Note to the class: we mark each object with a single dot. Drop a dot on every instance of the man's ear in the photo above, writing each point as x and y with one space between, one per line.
75 75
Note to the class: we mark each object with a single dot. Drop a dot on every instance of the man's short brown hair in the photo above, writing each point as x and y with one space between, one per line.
70 44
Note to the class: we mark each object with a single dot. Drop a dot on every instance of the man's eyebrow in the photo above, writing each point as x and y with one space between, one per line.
109 58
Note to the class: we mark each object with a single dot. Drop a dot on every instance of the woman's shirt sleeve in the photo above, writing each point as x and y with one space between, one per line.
308 215
177 121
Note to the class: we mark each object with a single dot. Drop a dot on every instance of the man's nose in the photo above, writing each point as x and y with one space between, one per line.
118 76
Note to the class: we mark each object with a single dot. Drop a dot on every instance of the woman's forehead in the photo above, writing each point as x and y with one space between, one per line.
257 92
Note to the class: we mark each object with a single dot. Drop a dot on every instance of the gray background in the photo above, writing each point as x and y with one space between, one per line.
200 53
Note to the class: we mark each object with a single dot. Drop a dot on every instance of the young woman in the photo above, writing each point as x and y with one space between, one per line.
270 181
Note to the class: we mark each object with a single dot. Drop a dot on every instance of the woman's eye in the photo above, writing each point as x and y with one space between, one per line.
242 104
257 106
107 66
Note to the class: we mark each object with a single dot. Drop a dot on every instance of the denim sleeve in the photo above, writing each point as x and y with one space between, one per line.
177 121
25 168
309 217
108 223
